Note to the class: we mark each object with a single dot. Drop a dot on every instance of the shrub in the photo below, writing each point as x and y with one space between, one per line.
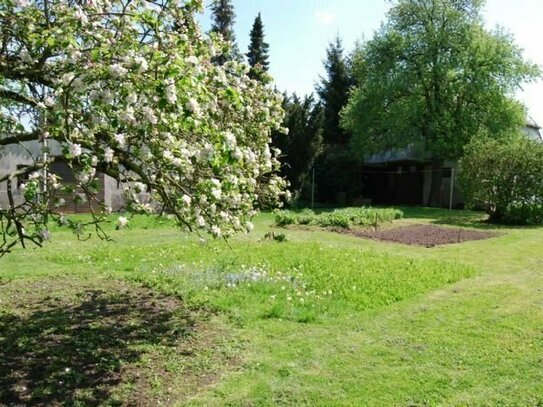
505 177
344 218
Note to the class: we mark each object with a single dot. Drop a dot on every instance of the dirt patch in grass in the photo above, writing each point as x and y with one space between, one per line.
422 235
103 342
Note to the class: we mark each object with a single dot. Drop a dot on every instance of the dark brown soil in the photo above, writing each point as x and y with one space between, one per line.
422 235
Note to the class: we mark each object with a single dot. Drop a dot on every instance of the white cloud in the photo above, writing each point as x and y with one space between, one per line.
325 16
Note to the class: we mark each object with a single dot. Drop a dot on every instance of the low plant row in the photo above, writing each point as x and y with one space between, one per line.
345 218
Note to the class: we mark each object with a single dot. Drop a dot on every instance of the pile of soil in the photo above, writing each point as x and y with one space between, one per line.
423 235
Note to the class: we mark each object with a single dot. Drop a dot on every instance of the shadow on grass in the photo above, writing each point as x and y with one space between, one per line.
77 353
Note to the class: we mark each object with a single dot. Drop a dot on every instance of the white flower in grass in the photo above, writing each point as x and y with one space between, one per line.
122 222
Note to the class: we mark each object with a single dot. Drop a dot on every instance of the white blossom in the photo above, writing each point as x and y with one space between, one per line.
194 107
25 56
230 140
150 115
117 70
74 149
120 139
108 154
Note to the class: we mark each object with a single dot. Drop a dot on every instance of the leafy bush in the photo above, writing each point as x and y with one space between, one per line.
505 177
344 218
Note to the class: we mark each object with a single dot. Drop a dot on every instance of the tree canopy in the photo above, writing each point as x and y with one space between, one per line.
128 89
433 77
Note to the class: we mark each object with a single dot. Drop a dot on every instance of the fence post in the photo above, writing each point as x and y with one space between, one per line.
451 194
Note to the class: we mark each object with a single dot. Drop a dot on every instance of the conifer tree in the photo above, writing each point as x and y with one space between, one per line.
224 18
334 92
336 166
302 146
258 50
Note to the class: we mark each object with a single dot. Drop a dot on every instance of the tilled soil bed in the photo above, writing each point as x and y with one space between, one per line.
422 235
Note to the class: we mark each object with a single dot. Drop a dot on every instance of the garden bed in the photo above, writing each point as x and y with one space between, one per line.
422 235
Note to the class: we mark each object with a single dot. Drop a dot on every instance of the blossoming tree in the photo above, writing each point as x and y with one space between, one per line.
128 88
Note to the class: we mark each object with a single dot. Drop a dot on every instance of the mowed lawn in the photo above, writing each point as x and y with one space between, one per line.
158 317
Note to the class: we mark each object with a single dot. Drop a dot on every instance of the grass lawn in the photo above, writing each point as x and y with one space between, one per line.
159 318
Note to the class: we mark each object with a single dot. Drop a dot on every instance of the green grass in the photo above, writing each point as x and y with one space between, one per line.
319 319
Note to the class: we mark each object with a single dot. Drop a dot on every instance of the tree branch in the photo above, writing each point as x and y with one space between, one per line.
19 138
17 97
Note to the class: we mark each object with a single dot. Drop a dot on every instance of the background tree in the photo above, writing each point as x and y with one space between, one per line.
433 77
335 168
129 91
333 91
257 55
302 146
504 177
224 18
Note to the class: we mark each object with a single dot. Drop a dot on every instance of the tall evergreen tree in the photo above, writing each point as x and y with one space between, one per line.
224 18
334 92
303 119
335 167
258 50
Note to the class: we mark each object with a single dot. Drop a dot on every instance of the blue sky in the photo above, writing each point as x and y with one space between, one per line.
299 31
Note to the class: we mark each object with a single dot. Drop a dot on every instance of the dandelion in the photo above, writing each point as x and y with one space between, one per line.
122 222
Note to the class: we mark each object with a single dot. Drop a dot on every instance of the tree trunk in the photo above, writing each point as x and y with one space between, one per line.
436 181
